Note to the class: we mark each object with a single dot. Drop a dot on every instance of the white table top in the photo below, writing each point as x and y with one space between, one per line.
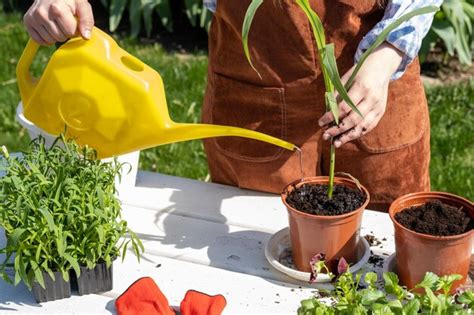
200 236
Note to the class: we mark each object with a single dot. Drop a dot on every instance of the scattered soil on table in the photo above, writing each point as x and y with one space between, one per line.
376 260
313 199
435 218
372 240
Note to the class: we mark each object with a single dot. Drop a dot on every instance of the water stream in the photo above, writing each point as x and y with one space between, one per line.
300 155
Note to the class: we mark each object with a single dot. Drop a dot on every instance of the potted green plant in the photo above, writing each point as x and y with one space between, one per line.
309 227
434 232
60 212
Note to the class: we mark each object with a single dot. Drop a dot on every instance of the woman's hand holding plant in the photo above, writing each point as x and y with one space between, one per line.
369 92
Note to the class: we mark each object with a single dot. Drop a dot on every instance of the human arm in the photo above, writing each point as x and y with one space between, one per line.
370 89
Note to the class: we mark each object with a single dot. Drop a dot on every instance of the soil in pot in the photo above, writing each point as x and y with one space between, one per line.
313 199
435 218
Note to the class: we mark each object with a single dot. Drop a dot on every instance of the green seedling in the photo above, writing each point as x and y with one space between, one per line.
350 298
327 60
59 210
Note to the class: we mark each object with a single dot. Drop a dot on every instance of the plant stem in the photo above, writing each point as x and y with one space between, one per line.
331 171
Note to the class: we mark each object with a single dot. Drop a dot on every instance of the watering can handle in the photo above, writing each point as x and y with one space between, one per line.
26 82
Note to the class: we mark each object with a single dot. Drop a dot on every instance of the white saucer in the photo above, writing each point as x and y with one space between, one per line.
389 264
278 254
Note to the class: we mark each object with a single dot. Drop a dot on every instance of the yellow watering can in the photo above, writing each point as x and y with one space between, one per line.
108 99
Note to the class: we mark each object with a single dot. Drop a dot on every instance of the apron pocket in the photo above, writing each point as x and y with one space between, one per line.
262 109
406 117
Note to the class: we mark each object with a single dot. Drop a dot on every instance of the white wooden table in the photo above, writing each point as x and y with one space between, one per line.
200 236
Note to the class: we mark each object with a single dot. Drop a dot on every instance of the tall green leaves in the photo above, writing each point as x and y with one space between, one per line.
59 210
454 25
249 15
144 10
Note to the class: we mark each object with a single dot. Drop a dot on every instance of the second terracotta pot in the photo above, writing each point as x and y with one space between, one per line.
418 253
336 236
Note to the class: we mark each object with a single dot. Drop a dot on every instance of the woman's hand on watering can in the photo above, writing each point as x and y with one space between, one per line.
51 21
368 92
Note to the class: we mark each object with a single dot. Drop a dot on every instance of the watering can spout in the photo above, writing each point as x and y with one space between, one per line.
184 132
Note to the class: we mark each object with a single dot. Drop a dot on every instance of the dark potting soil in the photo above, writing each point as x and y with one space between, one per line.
435 218
313 199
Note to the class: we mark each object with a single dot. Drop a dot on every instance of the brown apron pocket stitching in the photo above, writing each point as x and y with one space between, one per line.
219 79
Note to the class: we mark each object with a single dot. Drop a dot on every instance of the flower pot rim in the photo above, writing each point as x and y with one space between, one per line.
322 180
432 195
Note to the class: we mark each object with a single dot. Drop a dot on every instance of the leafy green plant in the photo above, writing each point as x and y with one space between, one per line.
349 298
59 210
453 26
143 10
332 79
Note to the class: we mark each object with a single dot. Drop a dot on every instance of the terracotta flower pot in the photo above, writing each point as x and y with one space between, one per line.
418 253
336 236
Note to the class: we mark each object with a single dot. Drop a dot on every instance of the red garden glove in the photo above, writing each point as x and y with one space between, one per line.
143 297
198 303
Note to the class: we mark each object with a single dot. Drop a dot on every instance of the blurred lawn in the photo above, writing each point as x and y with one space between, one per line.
451 111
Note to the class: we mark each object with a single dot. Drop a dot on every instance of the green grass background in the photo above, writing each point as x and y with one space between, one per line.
451 112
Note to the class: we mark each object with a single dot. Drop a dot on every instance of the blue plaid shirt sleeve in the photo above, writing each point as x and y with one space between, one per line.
407 37
210 5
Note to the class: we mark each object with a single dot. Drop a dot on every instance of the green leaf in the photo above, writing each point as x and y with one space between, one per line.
411 307
371 278
383 35
329 61
315 22
73 262
308 304
331 103
446 32
14 238
164 11
249 15
433 300
38 274
467 298
429 281
369 296
49 218
135 17
148 8
117 8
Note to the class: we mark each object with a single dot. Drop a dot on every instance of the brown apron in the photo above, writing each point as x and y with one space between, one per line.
391 160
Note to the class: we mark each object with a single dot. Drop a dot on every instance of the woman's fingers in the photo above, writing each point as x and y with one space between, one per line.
359 130
86 18
355 94
50 21
347 123
63 17
54 31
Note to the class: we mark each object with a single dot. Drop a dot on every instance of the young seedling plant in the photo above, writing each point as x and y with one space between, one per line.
327 60
349 297
59 210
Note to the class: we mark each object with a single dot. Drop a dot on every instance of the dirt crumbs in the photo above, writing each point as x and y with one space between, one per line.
313 199
372 240
435 218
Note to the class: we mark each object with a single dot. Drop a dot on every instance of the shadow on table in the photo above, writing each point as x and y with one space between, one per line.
239 251
12 297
